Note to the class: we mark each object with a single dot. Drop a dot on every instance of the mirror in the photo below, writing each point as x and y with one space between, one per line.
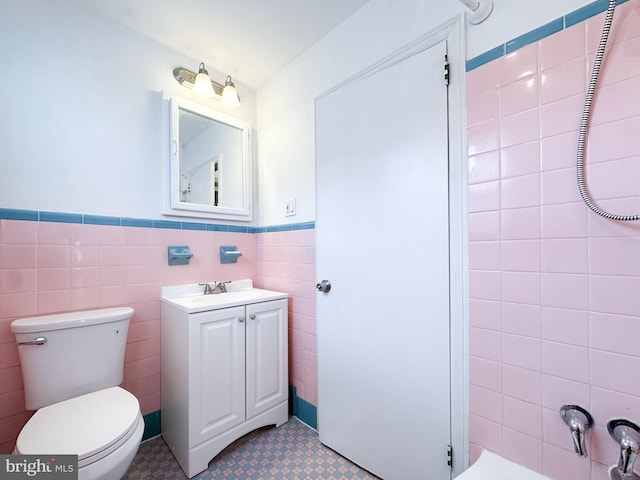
210 164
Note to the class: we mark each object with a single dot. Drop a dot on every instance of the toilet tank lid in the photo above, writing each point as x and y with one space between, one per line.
59 321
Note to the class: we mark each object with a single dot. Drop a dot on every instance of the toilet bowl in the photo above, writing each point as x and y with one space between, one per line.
490 466
72 364
103 428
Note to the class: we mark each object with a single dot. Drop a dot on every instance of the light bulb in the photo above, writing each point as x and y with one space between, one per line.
202 84
229 96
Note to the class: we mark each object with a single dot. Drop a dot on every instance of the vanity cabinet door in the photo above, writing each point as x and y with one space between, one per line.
216 384
267 355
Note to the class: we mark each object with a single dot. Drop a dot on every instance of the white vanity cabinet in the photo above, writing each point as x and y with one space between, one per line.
224 373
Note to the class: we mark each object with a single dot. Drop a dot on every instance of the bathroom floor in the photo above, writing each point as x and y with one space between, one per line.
292 451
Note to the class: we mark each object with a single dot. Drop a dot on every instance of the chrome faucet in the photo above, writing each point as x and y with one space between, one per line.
218 287
627 435
579 422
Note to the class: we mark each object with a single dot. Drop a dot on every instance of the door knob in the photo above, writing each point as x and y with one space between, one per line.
323 286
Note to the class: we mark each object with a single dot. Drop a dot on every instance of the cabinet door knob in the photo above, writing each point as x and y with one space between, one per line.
241 319
252 317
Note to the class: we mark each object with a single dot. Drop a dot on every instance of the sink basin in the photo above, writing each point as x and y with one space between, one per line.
223 298
242 293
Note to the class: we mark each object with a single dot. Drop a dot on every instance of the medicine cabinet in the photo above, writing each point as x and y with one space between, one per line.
209 163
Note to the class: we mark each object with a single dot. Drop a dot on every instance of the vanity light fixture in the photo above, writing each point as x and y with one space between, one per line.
203 86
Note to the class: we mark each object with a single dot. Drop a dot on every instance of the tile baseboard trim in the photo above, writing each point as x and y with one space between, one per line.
151 425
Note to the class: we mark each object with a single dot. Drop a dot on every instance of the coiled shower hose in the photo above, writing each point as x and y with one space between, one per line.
585 121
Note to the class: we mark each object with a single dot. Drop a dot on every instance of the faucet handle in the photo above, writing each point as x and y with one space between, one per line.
579 421
627 435
207 288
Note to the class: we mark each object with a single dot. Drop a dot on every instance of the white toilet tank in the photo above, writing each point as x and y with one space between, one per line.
69 354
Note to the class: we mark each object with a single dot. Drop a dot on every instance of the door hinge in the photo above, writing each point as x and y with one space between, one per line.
446 70
449 455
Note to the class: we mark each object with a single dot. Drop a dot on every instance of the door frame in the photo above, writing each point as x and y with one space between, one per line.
453 33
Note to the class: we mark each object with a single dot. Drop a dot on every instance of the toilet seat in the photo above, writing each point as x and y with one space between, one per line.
91 426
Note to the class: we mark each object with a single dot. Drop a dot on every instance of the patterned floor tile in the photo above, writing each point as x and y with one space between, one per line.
290 452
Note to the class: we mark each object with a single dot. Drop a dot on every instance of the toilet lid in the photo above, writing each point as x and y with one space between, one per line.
84 425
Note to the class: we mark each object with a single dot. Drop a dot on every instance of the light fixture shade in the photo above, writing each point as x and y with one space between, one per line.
229 94
202 85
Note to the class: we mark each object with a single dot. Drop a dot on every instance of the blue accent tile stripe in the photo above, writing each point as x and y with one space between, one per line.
60 217
583 13
193 226
216 228
304 226
101 220
238 229
167 224
588 11
137 222
486 57
35 216
539 33
287 227
13 214
534 35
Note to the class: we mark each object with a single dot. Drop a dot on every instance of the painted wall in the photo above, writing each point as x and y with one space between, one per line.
554 309
286 103
82 128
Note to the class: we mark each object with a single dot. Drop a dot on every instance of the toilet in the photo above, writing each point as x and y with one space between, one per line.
72 364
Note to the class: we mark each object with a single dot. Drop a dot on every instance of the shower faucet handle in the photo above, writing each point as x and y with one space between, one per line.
627 435
579 421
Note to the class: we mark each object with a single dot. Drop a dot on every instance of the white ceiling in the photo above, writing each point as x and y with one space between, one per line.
249 39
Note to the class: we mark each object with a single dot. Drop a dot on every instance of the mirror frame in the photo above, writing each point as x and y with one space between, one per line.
172 204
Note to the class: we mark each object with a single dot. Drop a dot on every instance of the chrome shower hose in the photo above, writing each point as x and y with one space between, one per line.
585 121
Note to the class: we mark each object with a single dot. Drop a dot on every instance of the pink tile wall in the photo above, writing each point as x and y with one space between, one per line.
554 304
55 267
286 262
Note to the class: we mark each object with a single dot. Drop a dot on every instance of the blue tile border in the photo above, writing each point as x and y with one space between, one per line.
101 220
588 11
287 227
307 413
136 222
485 57
303 410
38 216
539 33
59 217
151 425
534 35
194 226
11 214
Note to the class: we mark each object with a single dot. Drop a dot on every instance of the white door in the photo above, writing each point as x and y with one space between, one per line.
382 239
